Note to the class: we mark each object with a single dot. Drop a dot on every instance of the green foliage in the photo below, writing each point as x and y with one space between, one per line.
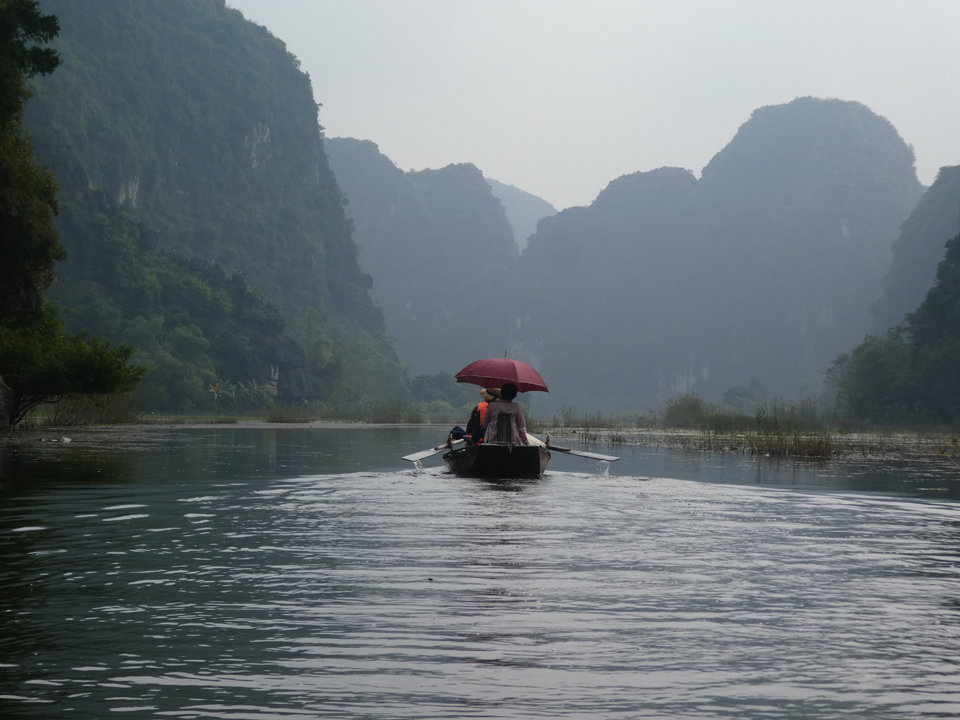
41 363
28 202
194 324
21 26
913 372
28 192
919 249
687 411
199 212
82 410
777 428
281 414
935 330
324 359
876 381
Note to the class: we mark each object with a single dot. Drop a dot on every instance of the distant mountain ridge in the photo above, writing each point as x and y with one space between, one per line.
524 210
435 242
763 268
918 250
766 266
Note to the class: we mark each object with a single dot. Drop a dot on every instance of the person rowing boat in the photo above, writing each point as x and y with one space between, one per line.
505 422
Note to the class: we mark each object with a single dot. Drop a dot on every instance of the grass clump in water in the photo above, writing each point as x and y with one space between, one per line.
285 414
777 428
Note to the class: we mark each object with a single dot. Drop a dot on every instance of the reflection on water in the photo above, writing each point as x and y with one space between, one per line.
292 573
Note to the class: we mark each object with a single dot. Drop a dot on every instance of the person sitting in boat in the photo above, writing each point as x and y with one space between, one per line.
479 414
506 411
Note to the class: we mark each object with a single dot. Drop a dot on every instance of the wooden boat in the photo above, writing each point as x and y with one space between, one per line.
495 460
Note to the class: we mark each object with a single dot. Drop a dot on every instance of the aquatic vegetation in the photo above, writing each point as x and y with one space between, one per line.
79 410
284 414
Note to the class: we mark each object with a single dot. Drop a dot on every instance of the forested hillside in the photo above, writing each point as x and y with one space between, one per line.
910 370
911 374
39 361
524 210
764 267
439 247
918 250
200 215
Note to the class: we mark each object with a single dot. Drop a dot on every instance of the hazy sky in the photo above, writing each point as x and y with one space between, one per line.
560 97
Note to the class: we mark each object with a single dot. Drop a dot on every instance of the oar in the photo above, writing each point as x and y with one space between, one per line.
582 453
578 453
427 453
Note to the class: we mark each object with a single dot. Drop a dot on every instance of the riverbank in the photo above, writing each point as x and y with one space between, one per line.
824 445
939 447
60 434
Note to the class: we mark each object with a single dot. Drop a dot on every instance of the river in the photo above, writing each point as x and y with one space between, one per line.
289 573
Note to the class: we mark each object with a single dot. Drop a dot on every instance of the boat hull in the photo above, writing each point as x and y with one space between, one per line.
498 461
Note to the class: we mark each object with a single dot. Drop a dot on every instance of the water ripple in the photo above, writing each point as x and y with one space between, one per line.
401 595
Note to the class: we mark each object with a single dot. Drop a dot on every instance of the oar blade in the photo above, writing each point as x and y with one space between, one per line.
414 457
584 454
594 456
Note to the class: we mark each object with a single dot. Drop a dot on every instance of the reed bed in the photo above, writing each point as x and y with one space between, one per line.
284 414
775 429
836 444
81 410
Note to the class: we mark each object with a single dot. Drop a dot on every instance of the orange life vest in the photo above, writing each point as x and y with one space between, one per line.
482 407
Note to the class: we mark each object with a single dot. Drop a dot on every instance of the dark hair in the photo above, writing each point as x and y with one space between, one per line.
508 392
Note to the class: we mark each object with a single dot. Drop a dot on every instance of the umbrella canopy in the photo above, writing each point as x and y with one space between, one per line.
496 372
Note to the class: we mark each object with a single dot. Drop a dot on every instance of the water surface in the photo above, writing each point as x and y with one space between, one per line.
294 573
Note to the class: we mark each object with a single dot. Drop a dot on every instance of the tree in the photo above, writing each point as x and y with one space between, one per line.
30 243
41 363
913 372
876 381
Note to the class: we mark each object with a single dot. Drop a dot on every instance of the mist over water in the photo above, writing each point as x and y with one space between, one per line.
307 573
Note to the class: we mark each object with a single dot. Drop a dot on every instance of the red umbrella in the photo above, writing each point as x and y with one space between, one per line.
496 372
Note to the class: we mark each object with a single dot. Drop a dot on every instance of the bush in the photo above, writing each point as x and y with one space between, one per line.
282 414
687 411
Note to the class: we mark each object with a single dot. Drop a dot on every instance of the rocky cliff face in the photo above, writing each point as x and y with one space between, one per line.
438 246
764 267
919 249
177 128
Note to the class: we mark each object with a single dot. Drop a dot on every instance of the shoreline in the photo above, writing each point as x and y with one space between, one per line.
941 448
824 445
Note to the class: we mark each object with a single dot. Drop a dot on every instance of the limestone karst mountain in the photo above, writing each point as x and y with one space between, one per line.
919 249
177 129
524 210
439 247
765 267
